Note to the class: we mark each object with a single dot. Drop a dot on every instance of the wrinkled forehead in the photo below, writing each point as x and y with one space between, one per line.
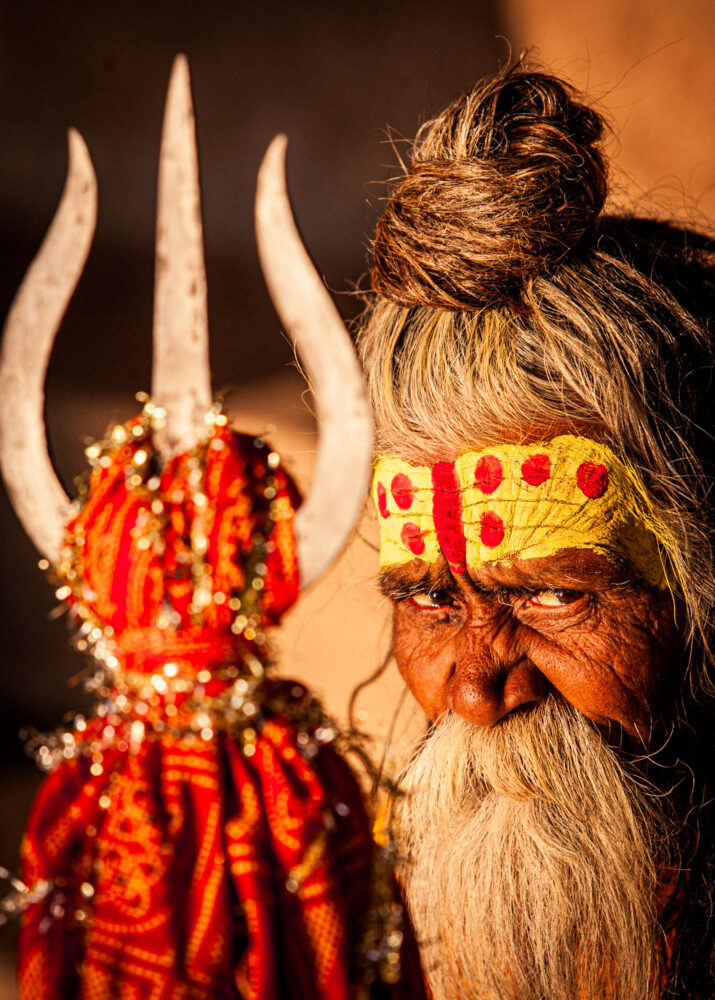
516 502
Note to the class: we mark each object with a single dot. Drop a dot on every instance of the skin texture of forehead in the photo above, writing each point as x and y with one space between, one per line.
486 650
516 501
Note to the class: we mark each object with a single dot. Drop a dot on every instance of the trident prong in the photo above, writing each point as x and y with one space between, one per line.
181 375
327 517
33 320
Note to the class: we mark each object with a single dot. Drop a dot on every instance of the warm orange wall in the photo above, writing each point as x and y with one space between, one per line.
650 64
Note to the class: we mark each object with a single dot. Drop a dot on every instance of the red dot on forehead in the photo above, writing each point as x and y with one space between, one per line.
402 490
592 479
492 530
488 473
536 469
382 500
412 538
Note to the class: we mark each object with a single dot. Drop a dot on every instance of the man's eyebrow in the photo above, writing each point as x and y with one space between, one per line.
398 583
566 574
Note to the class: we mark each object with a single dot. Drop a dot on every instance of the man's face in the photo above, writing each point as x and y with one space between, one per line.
530 854
531 848
499 639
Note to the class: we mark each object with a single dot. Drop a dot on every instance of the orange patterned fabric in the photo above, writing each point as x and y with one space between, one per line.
132 548
201 836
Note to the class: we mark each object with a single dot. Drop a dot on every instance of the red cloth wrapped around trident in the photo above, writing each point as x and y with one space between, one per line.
199 836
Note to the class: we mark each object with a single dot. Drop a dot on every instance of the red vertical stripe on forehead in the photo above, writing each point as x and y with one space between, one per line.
448 516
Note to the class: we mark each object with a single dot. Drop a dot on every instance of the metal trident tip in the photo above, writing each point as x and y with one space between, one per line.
181 378
181 382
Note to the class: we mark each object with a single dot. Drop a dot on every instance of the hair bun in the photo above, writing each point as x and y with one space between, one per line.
503 185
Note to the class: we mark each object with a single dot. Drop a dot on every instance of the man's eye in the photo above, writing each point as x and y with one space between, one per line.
554 598
433 599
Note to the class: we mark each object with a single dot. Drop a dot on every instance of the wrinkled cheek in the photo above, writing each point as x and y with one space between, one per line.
606 691
425 664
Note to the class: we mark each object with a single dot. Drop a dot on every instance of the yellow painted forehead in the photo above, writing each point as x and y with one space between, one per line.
516 501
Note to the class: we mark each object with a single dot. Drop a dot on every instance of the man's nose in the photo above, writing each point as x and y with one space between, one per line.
492 677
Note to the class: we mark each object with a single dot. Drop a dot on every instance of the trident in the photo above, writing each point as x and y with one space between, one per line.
181 378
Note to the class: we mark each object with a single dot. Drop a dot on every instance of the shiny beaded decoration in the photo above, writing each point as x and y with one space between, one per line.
174 698
172 573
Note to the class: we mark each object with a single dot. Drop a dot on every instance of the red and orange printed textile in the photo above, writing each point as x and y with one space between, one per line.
200 836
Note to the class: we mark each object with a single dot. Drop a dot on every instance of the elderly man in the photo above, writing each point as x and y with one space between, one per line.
540 374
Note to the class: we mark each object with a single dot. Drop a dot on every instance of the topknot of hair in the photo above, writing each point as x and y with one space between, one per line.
507 182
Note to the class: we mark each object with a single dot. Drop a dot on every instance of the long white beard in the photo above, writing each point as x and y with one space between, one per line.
531 862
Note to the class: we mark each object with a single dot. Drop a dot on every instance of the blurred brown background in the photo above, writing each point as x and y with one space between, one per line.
337 78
